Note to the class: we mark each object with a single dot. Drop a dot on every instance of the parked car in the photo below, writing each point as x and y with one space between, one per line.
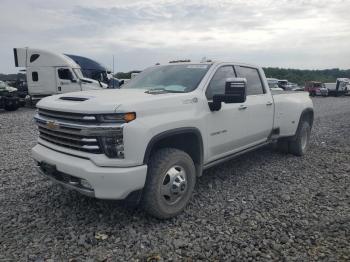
291 86
9 99
316 88
152 139
273 84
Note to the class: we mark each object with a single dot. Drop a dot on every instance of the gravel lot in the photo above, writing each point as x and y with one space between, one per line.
262 206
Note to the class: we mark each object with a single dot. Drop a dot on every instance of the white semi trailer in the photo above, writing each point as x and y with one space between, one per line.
340 87
50 73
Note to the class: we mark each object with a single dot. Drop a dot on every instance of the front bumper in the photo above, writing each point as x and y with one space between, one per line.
106 182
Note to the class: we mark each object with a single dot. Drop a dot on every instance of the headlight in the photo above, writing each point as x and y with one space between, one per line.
118 118
113 146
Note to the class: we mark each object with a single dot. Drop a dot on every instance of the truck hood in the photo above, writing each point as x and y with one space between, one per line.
117 100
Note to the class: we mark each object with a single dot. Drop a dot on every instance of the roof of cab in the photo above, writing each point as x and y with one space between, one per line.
33 57
210 63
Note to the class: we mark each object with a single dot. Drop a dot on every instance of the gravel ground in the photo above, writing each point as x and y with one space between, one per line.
262 206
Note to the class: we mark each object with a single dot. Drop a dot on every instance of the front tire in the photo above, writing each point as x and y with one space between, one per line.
170 182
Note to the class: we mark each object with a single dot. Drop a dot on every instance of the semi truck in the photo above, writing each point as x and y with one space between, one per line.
50 73
94 70
340 87
151 139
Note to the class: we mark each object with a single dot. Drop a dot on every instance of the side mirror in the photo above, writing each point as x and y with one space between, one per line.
235 92
73 80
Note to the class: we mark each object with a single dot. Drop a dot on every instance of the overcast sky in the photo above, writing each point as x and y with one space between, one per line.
311 34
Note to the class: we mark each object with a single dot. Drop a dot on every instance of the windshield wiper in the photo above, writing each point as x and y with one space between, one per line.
161 90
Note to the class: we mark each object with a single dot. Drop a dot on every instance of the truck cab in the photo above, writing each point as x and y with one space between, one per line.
49 73
94 70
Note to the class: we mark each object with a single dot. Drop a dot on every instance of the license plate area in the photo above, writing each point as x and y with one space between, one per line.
48 168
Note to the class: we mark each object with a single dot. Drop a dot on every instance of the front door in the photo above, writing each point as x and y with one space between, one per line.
67 81
226 128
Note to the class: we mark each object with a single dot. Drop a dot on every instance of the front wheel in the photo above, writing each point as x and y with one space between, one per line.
170 182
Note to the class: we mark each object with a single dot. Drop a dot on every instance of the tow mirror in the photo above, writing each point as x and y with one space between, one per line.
235 92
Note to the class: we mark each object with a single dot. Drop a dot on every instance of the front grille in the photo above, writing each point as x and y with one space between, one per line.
81 118
62 134
86 144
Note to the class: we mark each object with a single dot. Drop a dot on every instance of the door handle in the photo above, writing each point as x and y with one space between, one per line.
269 103
242 107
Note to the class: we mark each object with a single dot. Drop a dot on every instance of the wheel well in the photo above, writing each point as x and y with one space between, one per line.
307 115
189 141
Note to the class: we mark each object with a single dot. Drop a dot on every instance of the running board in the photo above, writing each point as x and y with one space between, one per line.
235 155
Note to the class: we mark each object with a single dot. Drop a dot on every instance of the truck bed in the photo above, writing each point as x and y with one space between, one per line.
288 108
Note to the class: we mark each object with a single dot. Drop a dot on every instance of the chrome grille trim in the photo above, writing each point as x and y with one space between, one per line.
60 142
67 116
66 135
74 135
81 129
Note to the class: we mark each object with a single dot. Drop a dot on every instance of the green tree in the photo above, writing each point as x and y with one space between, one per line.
301 76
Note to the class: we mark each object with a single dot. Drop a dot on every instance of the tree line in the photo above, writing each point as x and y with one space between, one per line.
301 76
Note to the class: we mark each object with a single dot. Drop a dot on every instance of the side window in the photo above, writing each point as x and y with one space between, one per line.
34 57
217 83
254 84
35 76
64 73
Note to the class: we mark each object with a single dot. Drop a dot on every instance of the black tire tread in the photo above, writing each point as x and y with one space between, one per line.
156 163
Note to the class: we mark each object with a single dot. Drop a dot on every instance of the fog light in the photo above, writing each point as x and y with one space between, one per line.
85 183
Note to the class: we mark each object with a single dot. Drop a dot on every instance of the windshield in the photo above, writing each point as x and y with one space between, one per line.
170 78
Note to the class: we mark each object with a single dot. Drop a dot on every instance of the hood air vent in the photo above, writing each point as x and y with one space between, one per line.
72 98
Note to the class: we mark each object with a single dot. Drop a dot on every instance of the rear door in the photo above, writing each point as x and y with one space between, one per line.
259 106
66 80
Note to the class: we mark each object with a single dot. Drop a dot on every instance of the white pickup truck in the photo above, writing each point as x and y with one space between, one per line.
152 138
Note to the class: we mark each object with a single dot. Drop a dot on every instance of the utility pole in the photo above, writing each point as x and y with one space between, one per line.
113 72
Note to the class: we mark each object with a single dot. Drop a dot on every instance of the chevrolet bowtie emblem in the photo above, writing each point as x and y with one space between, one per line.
52 124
